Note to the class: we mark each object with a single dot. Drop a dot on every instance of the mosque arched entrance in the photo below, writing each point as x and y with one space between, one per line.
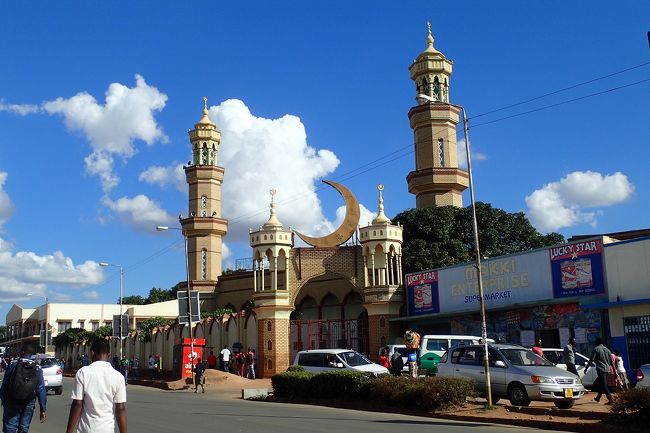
328 314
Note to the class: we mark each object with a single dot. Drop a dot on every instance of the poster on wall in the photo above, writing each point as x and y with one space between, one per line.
577 269
422 292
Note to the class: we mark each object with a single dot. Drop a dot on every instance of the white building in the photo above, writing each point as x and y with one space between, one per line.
25 324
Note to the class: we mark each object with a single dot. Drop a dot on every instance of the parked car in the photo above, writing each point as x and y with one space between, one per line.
432 347
643 376
556 356
402 350
516 373
52 372
332 359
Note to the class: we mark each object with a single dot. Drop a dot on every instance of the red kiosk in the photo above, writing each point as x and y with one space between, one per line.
184 359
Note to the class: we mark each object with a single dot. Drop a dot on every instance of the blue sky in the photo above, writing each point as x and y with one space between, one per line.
302 91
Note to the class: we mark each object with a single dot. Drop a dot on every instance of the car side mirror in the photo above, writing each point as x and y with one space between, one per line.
499 364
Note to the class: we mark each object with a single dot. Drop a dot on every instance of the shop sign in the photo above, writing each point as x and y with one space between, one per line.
508 280
422 289
577 268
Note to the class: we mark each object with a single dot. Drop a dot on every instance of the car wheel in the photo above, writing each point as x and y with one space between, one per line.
518 395
565 404
58 391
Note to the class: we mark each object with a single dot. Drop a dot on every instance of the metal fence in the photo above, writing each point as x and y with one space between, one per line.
329 334
637 335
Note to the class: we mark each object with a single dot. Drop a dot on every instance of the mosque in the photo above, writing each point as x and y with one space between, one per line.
336 292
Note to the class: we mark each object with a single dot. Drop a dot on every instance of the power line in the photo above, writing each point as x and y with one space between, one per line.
591 95
560 90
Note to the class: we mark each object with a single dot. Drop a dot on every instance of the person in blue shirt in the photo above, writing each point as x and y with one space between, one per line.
17 416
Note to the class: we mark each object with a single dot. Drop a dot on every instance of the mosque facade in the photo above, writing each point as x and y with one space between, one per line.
336 292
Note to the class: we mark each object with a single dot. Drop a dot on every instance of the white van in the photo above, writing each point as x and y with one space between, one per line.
319 360
432 347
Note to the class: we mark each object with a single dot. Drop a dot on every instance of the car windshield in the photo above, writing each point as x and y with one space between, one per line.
524 357
353 358
46 362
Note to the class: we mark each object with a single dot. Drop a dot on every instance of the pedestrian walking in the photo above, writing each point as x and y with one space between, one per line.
240 363
569 356
136 367
199 376
22 385
397 363
98 395
152 367
124 368
225 358
384 360
621 374
250 363
537 349
601 357
212 360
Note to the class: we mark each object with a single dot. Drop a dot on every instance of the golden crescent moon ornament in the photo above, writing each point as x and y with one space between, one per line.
347 227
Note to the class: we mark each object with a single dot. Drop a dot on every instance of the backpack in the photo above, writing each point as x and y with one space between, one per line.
23 382
249 358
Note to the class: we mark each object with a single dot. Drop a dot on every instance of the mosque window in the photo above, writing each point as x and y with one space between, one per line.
204 206
269 345
436 89
204 154
269 364
268 327
271 237
264 237
441 153
204 264
374 232
381 233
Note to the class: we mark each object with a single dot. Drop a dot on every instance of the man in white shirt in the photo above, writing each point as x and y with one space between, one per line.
98 395
225 358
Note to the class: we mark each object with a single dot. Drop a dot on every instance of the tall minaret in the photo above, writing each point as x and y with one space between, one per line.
204 227
436 180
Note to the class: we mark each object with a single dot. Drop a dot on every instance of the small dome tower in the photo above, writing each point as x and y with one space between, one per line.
271 243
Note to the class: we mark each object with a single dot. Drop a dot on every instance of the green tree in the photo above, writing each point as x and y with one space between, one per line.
133 300
435 237
146 327
160 295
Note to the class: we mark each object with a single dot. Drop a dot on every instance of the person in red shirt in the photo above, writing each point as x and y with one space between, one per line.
538 348
384 360
212 360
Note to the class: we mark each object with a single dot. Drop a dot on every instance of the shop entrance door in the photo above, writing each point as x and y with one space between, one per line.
637 336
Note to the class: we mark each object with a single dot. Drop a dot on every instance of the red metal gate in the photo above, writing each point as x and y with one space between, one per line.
329 334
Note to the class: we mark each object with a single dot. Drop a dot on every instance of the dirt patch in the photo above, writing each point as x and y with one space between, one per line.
585 417
219 380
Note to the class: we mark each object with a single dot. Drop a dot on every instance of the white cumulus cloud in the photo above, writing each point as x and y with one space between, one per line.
27 272
260 154
20 109
7 207
462 154
562 203
90 294
140 212
127 115
172 175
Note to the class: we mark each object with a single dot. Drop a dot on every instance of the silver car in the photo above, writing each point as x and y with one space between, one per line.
516 373
52 372
643 376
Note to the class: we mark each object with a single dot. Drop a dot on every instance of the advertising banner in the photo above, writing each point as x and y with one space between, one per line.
508 280
577 268
422 292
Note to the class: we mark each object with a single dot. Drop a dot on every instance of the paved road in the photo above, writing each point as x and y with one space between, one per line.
155 411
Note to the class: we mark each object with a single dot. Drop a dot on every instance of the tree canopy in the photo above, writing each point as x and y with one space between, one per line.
435 237
155 295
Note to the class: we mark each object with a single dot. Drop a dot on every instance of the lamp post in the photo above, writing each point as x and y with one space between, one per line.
423 99
188 291
104 264
477 251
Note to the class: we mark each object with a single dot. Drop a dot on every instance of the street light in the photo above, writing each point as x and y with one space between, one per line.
104 264
477 251
423 99
189 294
